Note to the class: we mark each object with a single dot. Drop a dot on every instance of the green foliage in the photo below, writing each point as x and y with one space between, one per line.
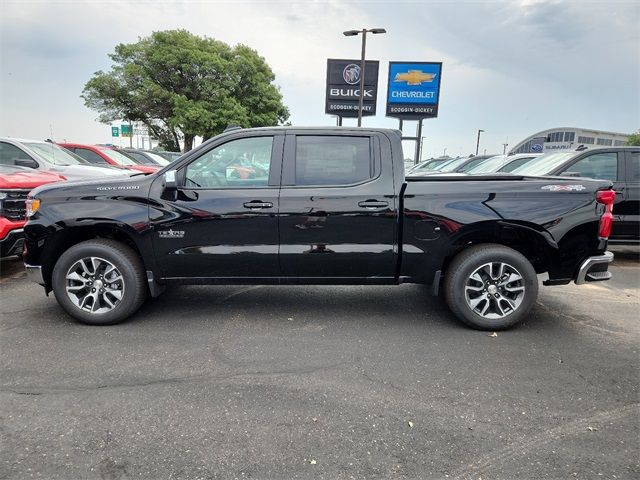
181 85
634 139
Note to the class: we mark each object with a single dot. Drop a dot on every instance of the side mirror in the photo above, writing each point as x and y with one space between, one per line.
25 162
570 174
170 182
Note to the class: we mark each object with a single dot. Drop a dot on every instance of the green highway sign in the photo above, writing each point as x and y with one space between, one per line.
126 130
115 132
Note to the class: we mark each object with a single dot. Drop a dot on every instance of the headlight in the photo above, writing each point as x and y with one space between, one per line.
33 205
3 195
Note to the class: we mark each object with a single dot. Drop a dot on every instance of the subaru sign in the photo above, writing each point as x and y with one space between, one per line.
413 90
343 87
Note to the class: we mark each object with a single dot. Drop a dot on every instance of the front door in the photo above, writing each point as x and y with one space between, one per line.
337 209
223 220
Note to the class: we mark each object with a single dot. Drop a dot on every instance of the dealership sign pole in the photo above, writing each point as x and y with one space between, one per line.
413 93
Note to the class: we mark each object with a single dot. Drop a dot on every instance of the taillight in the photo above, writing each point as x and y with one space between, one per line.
606 197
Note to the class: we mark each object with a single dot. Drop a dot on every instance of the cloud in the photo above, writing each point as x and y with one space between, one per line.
510 67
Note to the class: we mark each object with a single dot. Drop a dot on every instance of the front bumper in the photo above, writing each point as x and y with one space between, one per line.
34 273
12 243
595 269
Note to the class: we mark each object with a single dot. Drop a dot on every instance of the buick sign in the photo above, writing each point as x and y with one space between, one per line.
343 87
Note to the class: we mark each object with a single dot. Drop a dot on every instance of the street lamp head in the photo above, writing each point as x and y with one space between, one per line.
351 33
378 30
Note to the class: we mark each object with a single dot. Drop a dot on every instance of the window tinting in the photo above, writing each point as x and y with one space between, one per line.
633 167
569 136
332 160
603 166
9 153
556 136
242 163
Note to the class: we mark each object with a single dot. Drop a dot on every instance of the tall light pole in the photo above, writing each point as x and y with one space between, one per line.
478 142
352 33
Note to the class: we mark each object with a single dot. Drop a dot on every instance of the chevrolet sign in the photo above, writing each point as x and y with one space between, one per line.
413 90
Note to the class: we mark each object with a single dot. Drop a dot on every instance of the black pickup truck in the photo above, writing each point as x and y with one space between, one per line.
315 206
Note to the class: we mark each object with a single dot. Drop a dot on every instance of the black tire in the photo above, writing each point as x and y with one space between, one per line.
128 264
461 287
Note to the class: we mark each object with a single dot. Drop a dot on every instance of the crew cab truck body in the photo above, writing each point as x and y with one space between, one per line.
315 206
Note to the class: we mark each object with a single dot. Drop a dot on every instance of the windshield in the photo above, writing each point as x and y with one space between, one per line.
544 164
56 155
119 158
157 158
452 165
492 164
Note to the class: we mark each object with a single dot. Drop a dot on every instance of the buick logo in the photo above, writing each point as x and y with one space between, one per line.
351 74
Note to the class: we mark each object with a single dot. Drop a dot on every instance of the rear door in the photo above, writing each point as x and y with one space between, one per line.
337 208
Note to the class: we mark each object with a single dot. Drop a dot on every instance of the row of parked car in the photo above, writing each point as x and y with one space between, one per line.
27 164
620 165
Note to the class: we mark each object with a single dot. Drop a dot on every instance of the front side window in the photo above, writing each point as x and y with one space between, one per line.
10 153
602 166
333 161
242 163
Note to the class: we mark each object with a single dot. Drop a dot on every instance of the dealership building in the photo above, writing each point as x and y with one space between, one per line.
568 138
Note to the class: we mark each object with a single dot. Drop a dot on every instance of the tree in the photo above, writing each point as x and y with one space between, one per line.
634 139
181 86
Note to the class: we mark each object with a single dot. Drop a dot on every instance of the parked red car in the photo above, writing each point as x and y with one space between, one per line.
99 154
15 185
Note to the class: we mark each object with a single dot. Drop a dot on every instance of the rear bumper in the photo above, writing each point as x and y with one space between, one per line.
12 243
34 273
595 269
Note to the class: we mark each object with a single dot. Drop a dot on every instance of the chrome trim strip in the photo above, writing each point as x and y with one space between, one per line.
607 257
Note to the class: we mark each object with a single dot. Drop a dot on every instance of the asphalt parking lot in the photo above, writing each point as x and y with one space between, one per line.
321 382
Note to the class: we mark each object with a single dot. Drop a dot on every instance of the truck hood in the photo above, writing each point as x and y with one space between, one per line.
122 185
27 179
82 172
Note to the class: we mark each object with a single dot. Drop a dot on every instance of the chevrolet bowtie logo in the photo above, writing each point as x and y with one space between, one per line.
414 77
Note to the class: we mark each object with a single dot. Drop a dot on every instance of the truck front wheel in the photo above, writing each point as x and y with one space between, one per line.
99 282
490 286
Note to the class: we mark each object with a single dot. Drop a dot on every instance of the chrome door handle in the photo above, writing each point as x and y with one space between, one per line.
256 205
373 204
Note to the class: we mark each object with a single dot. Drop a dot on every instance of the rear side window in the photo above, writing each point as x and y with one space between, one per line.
602 166
333 161
633 167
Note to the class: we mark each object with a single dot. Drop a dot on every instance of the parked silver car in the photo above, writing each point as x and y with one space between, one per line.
48 157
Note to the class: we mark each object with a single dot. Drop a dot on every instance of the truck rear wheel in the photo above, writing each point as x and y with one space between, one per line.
99 282
490 286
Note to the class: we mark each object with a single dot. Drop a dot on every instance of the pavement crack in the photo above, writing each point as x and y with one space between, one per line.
35 391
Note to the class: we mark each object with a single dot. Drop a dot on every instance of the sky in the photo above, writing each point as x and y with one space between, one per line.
511 68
